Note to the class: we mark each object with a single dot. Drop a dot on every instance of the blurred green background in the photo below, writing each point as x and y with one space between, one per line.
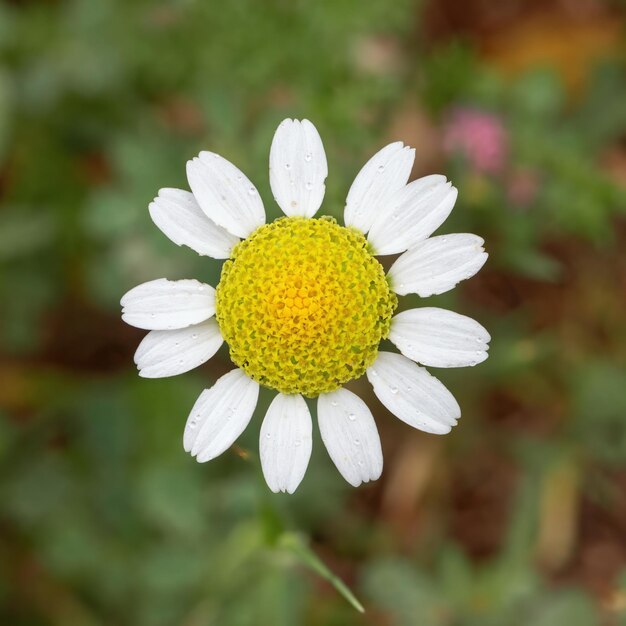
517 517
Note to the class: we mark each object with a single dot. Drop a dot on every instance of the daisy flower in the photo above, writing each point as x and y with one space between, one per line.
303 304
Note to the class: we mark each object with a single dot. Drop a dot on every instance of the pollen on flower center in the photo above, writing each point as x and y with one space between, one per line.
303 305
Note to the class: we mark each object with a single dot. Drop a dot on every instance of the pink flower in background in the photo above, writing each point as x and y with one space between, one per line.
479 137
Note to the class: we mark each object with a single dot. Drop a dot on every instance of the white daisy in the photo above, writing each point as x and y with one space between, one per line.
303 304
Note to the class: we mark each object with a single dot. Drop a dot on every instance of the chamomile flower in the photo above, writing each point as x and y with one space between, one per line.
303 305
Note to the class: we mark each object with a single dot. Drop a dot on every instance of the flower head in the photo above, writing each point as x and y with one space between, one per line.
479 137
303 304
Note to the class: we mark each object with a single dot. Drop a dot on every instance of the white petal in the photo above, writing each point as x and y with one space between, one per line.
413 214
285 442
349 433
171 352
220 415
167 304
437 264
412 394
298 168
225 194
439 338
379 179
177 214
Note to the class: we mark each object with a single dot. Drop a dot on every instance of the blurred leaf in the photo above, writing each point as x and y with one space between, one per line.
599 409
24 232
6 105
538 94
407 595
565 608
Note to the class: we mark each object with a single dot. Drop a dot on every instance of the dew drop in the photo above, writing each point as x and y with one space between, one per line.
357 442
267 435
251 191
308 156
393 389
181 361
374 373
333 403
177 343
395 216
153 315
381 168
309 186
194 336
298 443
287 166
351 417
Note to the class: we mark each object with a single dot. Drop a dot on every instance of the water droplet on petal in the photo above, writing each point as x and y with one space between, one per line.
357 442
381 168
333 403
298 443
351 417
194 336
287 166
267 435
309 186
393 389
251 191
308 156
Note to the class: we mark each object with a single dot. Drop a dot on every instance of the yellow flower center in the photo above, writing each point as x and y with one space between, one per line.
303 305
